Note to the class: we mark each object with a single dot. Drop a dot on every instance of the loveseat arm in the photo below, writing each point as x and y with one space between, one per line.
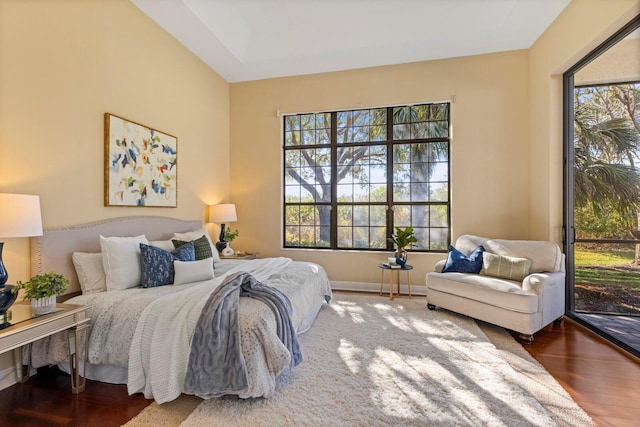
540 282
439 266
550 288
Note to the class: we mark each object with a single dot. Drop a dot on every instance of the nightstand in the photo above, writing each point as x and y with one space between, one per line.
24 329
253 255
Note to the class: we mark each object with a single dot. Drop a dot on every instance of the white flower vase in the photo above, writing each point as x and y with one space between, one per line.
227 251
40 306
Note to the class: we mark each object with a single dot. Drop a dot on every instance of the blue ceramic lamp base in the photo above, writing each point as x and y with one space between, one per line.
7 296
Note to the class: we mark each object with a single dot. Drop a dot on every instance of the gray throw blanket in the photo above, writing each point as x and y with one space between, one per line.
216 364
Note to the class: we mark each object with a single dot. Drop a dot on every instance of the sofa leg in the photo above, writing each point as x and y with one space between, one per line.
558 321
431 306
525 338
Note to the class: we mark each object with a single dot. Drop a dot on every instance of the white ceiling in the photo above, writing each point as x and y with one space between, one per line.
256 39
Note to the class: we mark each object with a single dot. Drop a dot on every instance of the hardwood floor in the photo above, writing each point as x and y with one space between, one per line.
604 381
46 400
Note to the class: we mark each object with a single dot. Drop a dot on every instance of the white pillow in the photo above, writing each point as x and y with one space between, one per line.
192 271
121 261
90 272
193 235
166 245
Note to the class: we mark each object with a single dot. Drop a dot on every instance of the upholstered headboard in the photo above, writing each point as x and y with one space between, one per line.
52 251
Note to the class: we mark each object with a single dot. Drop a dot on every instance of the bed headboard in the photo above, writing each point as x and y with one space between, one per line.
52 251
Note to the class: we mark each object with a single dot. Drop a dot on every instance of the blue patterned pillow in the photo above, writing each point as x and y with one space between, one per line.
460 263
157 264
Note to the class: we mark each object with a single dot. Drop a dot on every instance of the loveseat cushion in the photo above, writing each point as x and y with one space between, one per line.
493 291
544 255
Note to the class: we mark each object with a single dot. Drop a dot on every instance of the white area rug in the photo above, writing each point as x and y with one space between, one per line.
374 362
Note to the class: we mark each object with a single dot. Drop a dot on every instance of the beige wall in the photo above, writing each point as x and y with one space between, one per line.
489 164
63 64
507 146
580 28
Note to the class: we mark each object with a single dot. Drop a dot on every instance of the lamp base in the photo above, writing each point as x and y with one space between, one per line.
3 271
221 245
5 319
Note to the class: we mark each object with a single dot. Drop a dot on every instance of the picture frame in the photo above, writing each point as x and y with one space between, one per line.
140 165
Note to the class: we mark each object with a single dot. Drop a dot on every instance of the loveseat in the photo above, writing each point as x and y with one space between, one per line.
520 284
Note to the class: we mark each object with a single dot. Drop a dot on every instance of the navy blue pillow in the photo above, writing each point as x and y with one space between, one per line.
157 264
457 262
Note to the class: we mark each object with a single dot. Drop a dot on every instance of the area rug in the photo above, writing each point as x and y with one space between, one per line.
374 362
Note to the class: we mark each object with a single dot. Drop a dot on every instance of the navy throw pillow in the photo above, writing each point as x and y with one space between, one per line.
157 264
457 262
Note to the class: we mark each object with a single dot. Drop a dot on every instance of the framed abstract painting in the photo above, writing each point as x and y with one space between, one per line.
141 165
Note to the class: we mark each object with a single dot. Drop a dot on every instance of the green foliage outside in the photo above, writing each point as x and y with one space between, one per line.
43 286
607 257
607 197
361 177
607 223
606 280
607 150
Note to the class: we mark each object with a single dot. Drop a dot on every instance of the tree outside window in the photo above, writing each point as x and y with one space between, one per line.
351 176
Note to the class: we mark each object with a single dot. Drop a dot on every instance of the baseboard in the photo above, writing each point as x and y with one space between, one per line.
8 377
420 290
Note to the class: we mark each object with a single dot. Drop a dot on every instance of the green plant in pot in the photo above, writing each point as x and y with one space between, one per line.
229 236
403 239
42 290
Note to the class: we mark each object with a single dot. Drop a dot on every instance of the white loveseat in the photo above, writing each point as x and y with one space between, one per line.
524 307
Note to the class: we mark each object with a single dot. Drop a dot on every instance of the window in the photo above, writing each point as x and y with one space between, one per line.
351 177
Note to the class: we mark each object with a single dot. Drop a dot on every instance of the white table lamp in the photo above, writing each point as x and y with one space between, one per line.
19 217
221 214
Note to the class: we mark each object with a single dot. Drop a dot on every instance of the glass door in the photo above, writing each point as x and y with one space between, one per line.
602 189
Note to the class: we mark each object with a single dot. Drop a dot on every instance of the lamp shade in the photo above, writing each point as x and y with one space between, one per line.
223 212
20 215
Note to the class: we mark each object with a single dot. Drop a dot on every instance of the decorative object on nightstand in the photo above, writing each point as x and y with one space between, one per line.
19 217
229 236
221 214
242 255
403 239
42 290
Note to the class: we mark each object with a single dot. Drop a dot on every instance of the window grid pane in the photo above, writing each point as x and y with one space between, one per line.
358 126
357 156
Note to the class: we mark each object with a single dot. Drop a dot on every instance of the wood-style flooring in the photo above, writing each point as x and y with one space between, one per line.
601 378
604 381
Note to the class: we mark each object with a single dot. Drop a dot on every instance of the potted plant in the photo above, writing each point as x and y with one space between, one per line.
229 236
42 290
403 239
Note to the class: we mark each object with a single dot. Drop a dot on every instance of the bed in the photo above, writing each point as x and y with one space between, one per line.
141 336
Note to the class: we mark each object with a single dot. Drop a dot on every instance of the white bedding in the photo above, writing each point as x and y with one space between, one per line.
135 328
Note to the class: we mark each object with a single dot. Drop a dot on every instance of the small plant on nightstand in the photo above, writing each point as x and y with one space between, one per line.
229 236
42 290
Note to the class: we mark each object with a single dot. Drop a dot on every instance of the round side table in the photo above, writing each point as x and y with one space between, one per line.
386 267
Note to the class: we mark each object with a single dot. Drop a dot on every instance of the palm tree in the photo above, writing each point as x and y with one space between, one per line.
607 147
